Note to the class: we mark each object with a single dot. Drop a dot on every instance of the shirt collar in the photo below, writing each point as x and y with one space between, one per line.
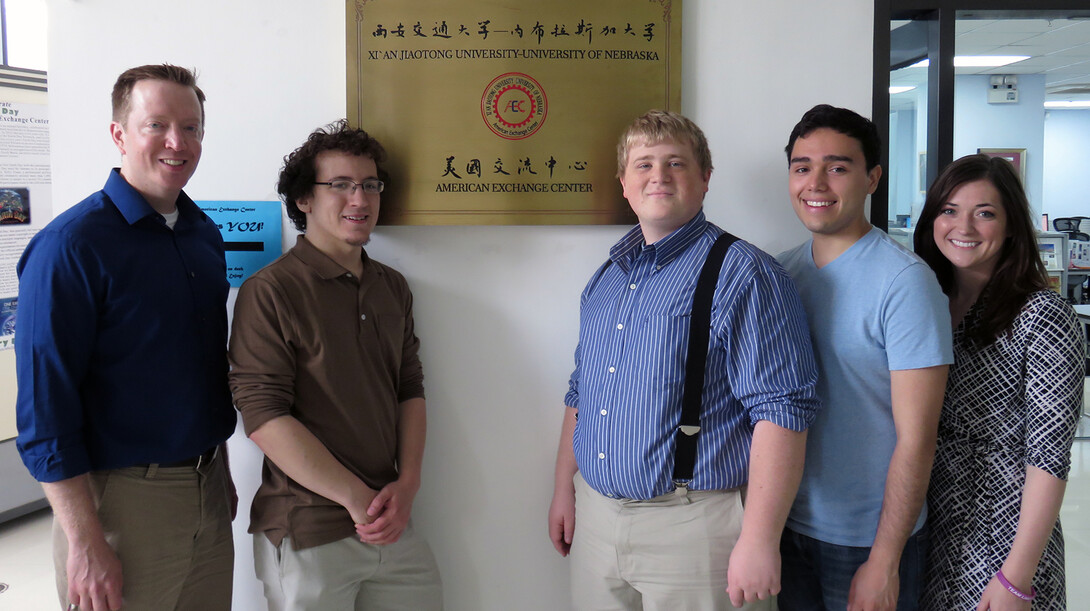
322 265
625 251
134 207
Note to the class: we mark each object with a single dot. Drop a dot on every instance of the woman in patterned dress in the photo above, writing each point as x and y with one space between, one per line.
1012 399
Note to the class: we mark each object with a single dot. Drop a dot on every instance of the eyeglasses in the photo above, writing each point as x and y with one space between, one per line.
371 186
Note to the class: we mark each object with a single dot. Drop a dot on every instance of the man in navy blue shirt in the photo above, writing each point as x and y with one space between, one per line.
123 405
645 540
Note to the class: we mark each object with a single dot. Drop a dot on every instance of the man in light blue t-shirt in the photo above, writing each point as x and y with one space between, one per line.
880 326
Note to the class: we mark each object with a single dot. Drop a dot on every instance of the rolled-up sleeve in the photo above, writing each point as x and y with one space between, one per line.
411 373
262 355
54 342
571 398
1054 380
772 368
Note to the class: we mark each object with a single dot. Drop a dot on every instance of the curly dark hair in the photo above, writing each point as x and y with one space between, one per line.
1019 270
299 172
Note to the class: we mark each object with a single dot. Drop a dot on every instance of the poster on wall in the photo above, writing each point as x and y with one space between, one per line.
251 234
499 112
25 206
25 197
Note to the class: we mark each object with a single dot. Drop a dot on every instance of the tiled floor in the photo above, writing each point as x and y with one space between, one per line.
1075 517
26 565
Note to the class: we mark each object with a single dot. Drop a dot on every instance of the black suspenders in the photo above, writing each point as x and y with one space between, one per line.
688 431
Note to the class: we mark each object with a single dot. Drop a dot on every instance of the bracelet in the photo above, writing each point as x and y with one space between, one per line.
1013 590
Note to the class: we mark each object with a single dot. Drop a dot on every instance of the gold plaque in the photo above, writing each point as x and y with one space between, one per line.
508 113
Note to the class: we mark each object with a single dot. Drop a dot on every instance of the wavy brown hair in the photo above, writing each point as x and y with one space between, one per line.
1019 270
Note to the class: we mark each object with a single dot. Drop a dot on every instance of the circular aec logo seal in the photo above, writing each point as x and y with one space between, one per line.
514 106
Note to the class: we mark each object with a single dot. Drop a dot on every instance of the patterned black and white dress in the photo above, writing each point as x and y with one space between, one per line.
1008 405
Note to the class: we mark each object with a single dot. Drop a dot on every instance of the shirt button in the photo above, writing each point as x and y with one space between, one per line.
603 412
620 326
363 317
601 455
612 369
632 287
192 274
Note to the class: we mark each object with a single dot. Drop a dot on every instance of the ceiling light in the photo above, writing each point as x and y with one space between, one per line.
986 61
895 90
977 61
1068 104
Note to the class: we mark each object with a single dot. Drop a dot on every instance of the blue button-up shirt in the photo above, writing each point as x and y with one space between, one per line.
630 362
120 339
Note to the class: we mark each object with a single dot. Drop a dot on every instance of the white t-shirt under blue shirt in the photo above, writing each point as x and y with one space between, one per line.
874 309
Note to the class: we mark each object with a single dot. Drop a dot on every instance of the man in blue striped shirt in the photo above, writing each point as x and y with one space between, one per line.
644 539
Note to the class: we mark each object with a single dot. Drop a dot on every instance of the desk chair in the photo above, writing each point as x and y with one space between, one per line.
1082 432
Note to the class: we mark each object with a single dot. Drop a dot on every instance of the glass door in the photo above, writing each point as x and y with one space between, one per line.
907 137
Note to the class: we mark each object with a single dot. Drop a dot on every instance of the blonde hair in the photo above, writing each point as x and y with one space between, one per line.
657 126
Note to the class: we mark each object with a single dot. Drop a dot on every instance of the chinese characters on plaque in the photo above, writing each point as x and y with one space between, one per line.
508 113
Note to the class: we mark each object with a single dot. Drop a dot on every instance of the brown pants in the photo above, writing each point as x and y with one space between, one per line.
171 529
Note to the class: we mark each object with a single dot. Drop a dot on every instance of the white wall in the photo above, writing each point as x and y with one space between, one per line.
978 124
497 307
1067 141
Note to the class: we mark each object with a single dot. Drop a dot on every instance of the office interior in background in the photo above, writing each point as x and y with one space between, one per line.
1021 91
488 468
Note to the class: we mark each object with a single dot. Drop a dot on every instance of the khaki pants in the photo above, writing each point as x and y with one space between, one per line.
171 529
669 553
349 575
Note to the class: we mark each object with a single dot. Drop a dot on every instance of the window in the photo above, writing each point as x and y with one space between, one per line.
917 45
23 58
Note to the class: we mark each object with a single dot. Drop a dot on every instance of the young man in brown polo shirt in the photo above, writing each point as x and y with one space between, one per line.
324 369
